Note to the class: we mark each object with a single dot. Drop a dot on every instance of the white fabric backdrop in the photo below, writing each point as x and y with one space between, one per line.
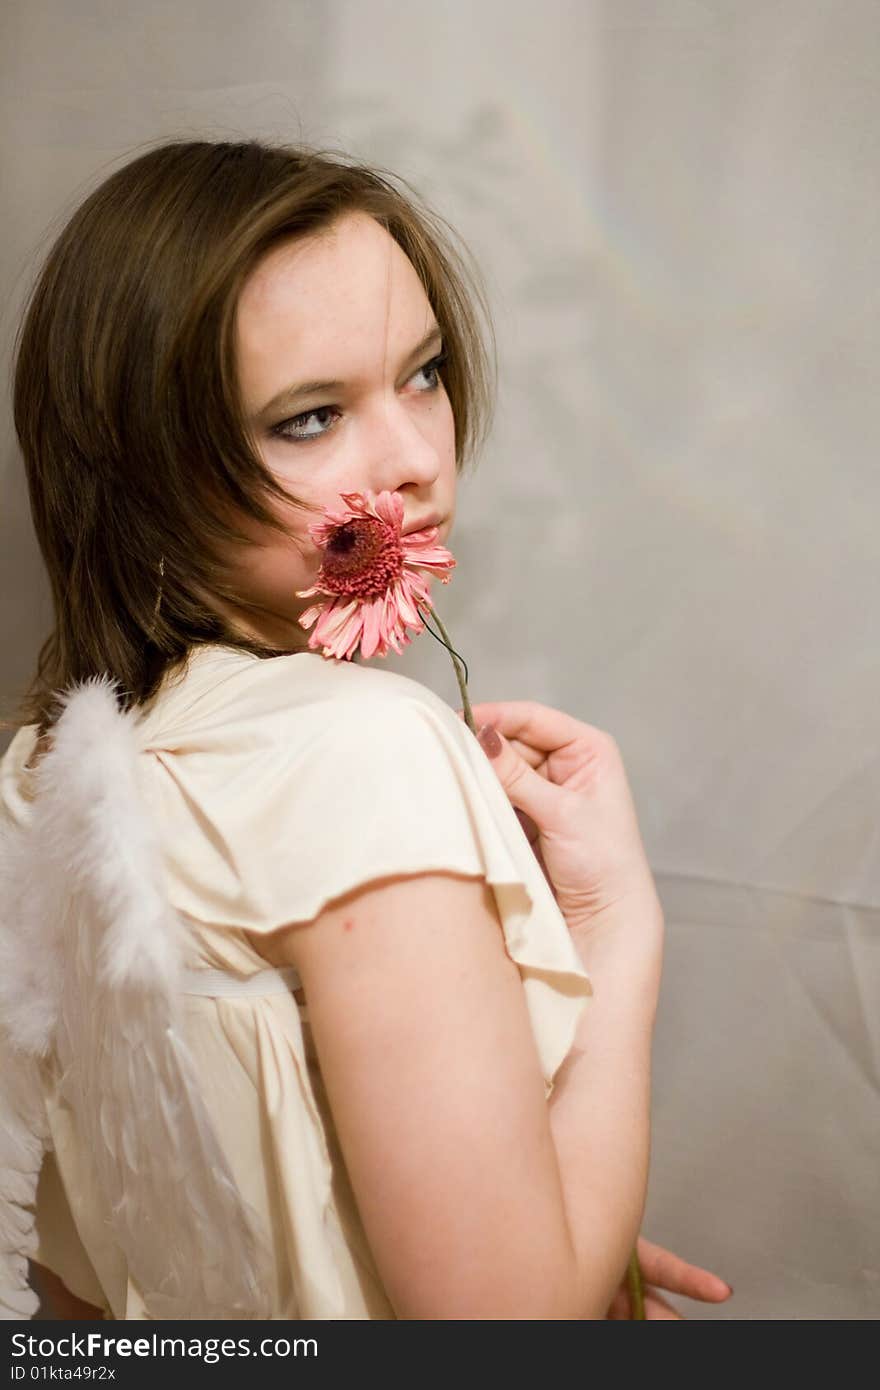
672 531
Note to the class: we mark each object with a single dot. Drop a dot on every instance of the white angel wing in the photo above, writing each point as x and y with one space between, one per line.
29 986
23 1141
93 957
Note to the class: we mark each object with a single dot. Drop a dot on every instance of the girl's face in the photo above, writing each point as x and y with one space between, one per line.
337 345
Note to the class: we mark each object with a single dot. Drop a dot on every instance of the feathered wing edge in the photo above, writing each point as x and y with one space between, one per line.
30 974
23 1142
90 963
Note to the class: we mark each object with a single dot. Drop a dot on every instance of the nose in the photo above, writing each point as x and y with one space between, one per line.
401 453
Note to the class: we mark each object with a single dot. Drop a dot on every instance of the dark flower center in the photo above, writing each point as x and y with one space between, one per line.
362 558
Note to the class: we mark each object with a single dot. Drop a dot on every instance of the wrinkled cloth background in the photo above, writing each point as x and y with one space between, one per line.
672 533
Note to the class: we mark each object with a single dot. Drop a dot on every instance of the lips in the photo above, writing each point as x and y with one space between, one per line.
422 525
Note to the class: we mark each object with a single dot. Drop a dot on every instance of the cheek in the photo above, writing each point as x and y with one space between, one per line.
275 562
440 427
444 410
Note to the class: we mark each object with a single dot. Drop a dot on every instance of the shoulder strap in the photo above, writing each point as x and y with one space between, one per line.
95 956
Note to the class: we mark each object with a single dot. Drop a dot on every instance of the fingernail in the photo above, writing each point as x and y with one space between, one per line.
489 740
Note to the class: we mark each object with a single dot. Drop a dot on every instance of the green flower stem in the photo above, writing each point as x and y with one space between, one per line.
462 683
636 1288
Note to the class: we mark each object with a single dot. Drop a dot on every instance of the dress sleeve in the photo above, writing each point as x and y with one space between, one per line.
268 829
265 830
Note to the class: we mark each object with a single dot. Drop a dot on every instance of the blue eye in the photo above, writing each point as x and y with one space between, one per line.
432 368
301 421
301 428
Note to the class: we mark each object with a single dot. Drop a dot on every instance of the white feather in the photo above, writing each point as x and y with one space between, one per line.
23 1140
91 958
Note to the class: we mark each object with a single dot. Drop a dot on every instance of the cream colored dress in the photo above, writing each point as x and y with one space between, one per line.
277 785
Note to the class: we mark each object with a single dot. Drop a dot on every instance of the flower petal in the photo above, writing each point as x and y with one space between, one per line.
307 617
427 536
358 504
389 506
391 623
405 602
372 638
419 586
335 616
437 560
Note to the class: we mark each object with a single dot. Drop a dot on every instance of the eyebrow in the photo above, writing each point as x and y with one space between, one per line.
314 388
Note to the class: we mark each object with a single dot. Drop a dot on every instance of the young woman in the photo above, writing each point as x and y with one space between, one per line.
443 1109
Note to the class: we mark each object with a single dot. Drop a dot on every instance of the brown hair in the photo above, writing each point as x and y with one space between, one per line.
126 399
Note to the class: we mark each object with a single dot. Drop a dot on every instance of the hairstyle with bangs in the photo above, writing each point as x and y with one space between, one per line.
127 405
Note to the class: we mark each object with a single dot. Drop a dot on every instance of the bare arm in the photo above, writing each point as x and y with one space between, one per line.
479 1200
600 1108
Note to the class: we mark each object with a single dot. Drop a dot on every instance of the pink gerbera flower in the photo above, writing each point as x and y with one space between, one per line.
370 581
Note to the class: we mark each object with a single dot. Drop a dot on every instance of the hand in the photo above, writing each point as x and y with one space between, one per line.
662 1269
567 782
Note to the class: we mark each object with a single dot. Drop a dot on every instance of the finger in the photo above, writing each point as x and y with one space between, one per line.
658 1310
526 789
539 726
533 756
669 1271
